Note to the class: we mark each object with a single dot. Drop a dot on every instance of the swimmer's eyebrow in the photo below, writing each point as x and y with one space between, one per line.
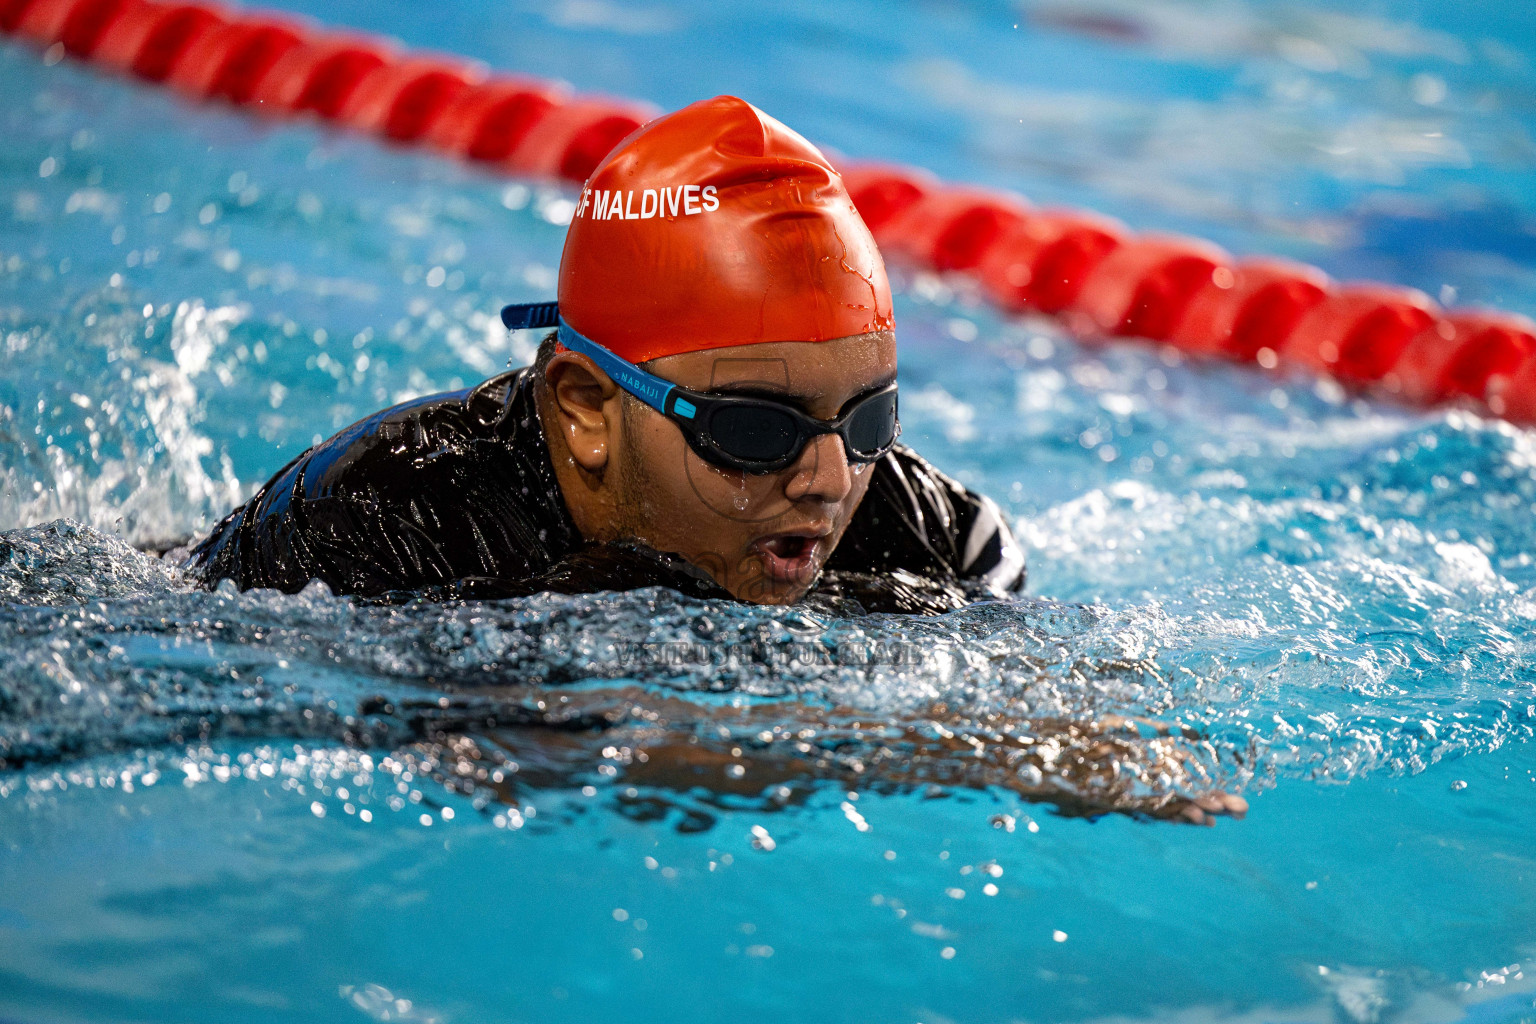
779 393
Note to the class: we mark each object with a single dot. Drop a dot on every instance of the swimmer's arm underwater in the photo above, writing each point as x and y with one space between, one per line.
1111 765
1084 769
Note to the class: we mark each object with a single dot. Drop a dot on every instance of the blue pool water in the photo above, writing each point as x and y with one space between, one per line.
254 807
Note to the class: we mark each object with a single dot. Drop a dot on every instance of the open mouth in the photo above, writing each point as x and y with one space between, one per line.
790 557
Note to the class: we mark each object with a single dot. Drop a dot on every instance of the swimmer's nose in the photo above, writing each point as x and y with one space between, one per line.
822 472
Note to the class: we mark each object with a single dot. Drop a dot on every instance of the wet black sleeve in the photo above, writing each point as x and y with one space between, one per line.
917 520
443 488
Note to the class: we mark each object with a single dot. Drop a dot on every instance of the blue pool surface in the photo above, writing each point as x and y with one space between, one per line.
248 807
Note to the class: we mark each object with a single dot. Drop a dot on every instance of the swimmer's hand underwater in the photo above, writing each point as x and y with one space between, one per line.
720 387
1201 809
1204 810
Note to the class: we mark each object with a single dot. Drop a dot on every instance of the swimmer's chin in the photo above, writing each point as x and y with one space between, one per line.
775 581
757 584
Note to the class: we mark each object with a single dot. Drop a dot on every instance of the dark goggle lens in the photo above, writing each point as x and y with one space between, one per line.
755 433
871 429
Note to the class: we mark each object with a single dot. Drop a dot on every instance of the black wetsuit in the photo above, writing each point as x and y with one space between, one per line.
453 495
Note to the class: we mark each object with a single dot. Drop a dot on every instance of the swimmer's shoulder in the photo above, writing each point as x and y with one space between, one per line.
410 473
388 449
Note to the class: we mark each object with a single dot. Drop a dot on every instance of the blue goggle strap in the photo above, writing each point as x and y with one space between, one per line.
652 390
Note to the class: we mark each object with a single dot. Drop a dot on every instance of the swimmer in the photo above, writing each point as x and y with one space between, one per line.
714 408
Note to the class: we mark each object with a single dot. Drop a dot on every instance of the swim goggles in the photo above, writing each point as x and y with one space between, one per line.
747 433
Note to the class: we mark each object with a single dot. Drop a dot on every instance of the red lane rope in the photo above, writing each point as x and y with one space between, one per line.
1099 278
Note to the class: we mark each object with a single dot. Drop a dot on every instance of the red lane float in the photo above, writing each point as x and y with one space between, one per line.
78 26
491 119
230 61
950 229
403 100
1142 287
11 12
148 39
319 76
1458 355
570 139
1246 312
1513 395
1358 332
41 21
881 192
1091 272
1043 263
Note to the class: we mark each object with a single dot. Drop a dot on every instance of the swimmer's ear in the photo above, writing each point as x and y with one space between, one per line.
581 394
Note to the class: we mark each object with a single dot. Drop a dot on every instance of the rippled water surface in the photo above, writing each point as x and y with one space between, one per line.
222 806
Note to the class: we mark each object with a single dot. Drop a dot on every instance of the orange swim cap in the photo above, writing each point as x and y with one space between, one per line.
716 226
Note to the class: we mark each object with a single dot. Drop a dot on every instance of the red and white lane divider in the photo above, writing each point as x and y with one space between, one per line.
1094 274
